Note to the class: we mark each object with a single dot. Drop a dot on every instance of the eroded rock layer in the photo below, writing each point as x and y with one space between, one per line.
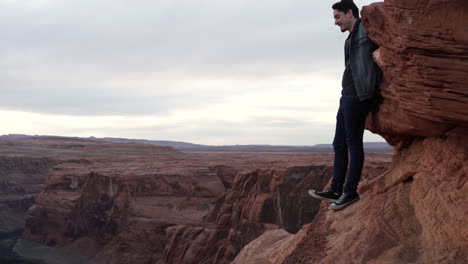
424 56
258 202
103 202
414 213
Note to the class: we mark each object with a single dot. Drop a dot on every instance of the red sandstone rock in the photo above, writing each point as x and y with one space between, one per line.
266 249
417 216
423 54
258 201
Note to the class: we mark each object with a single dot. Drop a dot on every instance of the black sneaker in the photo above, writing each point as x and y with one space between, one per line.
343 201
327 195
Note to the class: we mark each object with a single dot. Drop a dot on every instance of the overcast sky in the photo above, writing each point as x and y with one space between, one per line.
208 71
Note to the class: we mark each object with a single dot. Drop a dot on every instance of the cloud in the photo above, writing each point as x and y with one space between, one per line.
116 57
223 61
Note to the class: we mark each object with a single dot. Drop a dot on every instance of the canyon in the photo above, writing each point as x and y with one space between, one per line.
80 201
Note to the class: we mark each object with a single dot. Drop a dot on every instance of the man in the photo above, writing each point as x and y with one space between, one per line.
360 79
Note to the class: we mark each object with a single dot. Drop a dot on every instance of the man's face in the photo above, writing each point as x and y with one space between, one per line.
344 21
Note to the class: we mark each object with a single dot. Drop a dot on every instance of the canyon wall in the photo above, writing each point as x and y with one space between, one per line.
258 201
423 54
21 180
97 202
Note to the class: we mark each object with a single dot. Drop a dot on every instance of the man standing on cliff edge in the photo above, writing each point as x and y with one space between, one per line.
360 80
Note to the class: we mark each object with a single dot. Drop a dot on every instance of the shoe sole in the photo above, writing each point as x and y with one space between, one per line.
320 197
335 207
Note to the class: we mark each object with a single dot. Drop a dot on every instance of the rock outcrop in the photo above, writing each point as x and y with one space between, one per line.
258 202
416 211
424 55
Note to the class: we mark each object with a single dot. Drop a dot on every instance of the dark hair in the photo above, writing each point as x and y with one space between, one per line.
346 5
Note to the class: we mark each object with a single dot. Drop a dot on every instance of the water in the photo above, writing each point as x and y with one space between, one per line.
7 255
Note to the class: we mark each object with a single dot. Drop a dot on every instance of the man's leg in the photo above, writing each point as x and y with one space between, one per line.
340 164
355 114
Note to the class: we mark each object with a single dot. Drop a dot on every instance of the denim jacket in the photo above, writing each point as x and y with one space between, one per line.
366 73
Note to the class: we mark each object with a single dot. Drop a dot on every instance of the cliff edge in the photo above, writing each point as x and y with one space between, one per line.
416 211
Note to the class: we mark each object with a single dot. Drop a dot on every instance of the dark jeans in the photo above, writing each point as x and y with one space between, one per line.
350 122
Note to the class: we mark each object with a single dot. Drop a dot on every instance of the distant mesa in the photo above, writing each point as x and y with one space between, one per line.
185 146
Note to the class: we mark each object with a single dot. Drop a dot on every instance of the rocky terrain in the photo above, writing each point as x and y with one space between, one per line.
82 201
417 211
